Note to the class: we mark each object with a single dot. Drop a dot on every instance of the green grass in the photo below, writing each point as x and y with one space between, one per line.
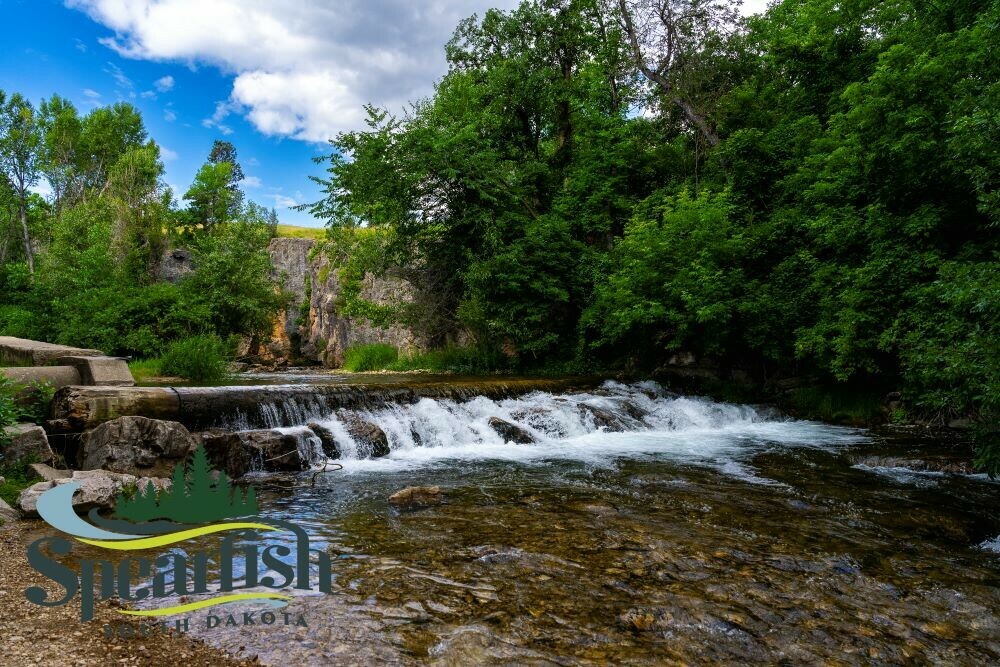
374 357
293 232
15 480
144 369
465 360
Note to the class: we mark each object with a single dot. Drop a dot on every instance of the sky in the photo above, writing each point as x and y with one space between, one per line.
278 79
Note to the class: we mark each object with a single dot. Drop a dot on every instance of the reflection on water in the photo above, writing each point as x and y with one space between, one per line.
734 540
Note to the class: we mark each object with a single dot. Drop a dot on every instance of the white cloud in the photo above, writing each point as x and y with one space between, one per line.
169 115
91 93
148 95
81 46
252 182
282 201
163 84
118 75
42 188
302 69
167 154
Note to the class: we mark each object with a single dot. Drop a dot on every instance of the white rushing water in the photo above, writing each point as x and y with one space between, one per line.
597 427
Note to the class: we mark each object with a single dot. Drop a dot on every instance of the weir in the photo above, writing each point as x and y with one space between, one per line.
76 409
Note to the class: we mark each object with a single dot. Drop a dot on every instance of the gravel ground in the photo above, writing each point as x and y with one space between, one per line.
35 635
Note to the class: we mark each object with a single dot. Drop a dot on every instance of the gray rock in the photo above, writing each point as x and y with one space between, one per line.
244 451
136 446
100 371
511 432
175 264
417 496
47 473
7 513
325 435
98 488
372 440
27 443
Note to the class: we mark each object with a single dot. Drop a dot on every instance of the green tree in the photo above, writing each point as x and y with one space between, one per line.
20 158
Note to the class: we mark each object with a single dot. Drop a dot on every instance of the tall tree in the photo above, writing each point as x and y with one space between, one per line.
20 153
61 127
224 151
670 39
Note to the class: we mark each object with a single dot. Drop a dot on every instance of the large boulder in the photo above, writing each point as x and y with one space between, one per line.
98 488
27 443
511 432
245 451
372 440
136 446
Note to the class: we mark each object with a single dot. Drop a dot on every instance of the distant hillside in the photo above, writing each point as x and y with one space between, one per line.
292 232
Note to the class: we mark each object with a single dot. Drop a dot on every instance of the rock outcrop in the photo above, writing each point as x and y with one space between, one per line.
98 488
136 446
313 328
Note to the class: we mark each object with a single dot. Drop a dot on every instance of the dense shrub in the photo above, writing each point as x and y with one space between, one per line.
198 358
374 357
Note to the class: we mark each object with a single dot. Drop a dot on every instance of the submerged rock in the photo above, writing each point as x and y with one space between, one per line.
98 488
326 437
372 440
136 446
417 496
27 443
511 432
603 418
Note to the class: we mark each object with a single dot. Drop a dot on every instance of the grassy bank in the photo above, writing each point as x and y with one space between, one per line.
293 232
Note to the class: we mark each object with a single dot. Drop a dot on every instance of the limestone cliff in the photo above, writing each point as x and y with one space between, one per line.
312 328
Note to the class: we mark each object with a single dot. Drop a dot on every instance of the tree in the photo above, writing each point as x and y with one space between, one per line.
20 153
61 128
213 202
224 151
672 41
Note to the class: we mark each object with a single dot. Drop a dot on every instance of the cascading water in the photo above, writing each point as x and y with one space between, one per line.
596 426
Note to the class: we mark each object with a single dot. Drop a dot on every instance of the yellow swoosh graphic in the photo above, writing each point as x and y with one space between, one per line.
173 538
193 606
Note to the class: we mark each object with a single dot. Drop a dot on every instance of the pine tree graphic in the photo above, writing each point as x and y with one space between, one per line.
193 497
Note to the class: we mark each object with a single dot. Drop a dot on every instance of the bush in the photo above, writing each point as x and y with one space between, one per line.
374 357
199 358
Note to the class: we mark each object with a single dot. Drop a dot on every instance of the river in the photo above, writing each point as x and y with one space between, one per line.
697 532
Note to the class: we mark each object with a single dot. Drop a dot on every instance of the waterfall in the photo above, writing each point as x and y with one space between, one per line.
595 425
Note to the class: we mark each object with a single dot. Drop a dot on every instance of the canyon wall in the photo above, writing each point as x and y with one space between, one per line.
313 329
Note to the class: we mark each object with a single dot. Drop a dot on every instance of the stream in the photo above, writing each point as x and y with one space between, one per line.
641 527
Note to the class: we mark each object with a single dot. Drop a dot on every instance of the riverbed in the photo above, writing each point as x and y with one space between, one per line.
693 531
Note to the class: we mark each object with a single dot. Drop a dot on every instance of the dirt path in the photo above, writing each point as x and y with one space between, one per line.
30 634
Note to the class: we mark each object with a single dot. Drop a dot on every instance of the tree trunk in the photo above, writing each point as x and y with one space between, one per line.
23 211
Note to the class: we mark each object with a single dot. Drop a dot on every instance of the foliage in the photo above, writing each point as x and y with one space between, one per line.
373 357
193 497
461 360
808 192
201 358
16 479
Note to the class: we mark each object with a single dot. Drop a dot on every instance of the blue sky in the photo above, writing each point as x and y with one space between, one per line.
276 78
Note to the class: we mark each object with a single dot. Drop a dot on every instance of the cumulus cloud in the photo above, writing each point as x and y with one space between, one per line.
252 182
167 154
163 84
301 69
